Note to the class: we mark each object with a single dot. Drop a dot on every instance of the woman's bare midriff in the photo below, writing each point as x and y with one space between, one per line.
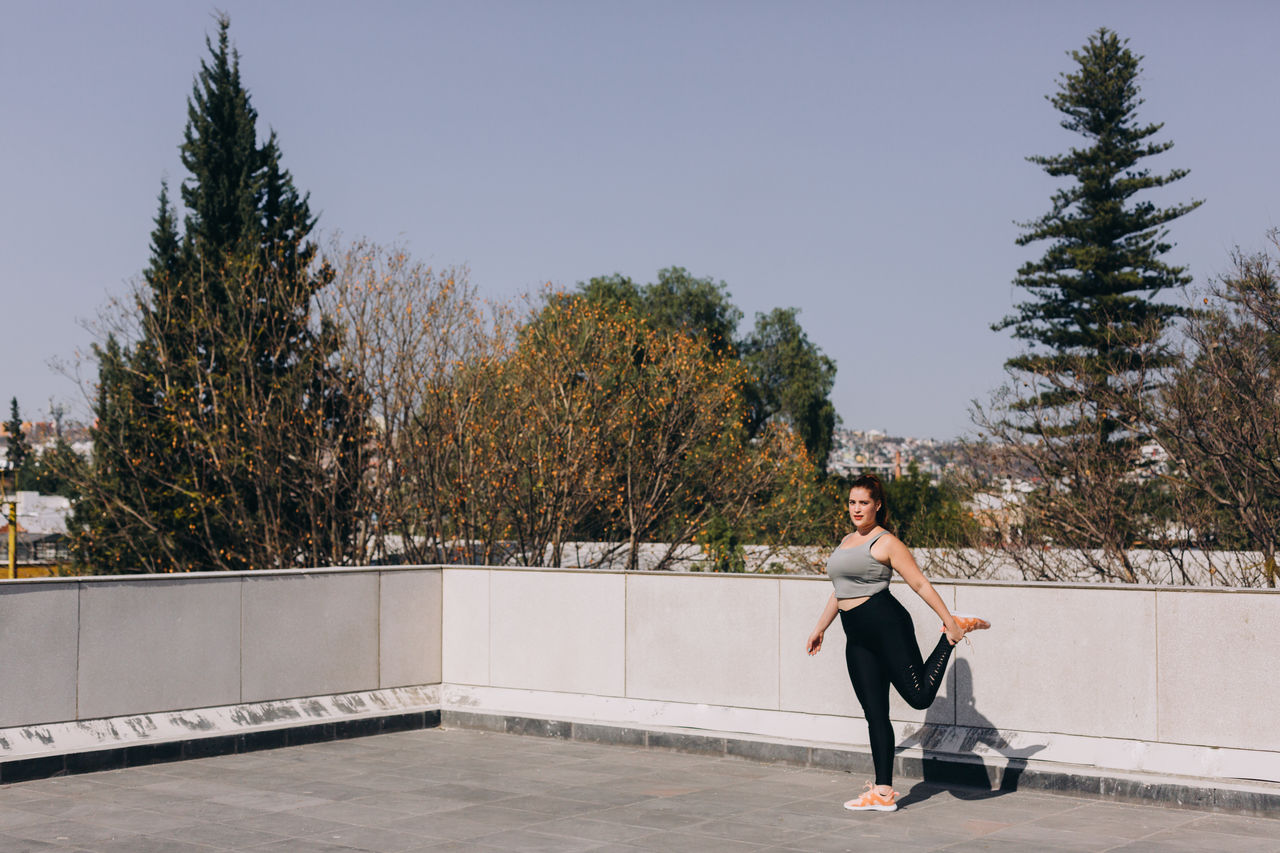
850 603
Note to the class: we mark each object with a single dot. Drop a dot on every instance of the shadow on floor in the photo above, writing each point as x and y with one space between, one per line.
942 770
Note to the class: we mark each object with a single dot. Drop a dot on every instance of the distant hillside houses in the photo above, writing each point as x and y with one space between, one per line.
854 451
43 435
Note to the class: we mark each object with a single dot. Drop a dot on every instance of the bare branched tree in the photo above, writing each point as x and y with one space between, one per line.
1075 437
1220 416
425 347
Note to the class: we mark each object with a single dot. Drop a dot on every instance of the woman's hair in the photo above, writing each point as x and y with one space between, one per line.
872 484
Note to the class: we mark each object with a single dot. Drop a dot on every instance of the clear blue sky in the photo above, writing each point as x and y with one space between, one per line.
863 162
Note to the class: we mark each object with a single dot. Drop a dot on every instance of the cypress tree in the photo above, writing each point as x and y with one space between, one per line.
219 429
1092 305
19 450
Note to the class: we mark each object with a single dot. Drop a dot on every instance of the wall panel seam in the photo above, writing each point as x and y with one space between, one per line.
626 617
240 651
1155 619
778 650
79 636
378 628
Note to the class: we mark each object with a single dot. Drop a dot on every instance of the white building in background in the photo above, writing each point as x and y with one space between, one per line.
42 514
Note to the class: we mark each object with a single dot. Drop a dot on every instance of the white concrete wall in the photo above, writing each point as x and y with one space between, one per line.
39 631
89 648
1141 678
157 647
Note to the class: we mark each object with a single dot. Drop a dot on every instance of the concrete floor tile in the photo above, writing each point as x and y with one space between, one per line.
683 842
736 830
733 802
840 842
54 806
809 824
991 845
901 828
288 825
17 817
1082 840
151 844
1233 824
415 804
302 845
532 841
650 818
465 824
612 795
550 807
1186 840
12 844
222 836
1124 822
370 838
590 829
203 810
267 801
348 812
69 833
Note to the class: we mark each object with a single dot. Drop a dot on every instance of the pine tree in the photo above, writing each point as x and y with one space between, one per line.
19 449
1093 305
224 438
1097 332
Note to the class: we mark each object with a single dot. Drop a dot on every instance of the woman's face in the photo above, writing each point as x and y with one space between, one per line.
862 509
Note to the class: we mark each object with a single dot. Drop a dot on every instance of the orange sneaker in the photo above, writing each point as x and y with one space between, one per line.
968 622
871 800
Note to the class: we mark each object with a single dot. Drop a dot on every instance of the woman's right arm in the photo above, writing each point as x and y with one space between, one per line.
824 621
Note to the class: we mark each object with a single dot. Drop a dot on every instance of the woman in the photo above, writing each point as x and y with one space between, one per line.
880 643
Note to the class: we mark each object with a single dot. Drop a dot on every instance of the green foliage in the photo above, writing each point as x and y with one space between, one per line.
792 381
722 546
676 302
57 471
1092 305
925 514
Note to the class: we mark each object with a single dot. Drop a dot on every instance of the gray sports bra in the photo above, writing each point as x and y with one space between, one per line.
855 573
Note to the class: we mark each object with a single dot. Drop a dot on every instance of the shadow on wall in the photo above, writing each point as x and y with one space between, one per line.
941 742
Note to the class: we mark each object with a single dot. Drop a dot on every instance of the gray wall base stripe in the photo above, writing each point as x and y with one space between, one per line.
1247 798
141 754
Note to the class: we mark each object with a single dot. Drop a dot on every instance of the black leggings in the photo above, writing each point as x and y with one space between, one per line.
880 649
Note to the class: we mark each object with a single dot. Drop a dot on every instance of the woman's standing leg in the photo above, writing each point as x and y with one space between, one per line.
871 686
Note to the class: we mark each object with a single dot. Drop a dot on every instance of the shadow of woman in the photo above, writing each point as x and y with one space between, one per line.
951 760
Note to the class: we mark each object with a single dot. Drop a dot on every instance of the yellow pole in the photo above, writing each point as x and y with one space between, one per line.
13 539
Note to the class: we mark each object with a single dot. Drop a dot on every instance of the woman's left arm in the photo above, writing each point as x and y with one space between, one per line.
900 559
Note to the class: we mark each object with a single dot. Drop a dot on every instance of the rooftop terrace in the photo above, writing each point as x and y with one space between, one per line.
448 789
396 708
